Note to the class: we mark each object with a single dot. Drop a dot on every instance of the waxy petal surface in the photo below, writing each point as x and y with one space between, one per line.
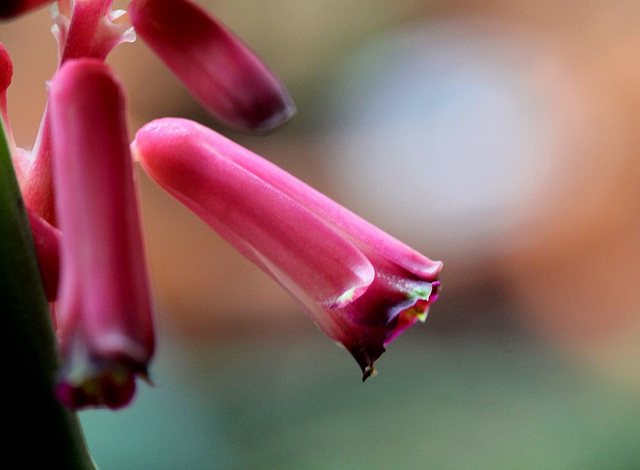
260 221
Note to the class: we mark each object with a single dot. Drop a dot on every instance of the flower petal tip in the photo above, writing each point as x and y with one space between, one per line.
274 118
369 371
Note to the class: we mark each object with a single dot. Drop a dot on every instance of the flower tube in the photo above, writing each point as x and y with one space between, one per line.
104 311
216 66
360 285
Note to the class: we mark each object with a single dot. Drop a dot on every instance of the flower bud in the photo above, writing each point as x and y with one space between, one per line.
218 68
104 309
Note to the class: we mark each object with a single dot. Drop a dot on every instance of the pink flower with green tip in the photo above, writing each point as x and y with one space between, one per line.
359 284
104 310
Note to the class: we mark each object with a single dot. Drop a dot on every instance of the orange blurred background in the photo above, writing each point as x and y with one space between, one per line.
501 137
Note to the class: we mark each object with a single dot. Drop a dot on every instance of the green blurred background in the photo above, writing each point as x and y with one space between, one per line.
501 137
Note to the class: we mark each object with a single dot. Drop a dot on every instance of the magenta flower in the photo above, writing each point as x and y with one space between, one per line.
360 285
217 67
104 311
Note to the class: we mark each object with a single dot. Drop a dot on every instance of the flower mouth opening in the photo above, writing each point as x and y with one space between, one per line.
99 383
424 297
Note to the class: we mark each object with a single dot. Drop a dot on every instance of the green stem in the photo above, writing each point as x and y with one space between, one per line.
38 431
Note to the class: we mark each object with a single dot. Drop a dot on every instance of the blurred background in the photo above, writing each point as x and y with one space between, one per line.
501 137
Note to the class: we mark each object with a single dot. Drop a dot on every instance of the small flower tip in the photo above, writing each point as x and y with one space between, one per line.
275 117
112 386
369 371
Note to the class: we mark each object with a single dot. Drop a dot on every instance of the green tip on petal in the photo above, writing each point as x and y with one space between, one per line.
423 292
369 371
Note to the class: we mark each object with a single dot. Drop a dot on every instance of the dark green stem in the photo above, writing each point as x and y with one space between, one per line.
38 431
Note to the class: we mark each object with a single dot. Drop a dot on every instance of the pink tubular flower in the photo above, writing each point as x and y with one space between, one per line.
360 285
104 307
11 8
216 66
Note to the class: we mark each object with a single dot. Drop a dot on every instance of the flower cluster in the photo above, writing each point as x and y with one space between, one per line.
361 286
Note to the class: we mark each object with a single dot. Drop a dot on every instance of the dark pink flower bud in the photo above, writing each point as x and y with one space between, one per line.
12 8
217 67
104 309
360 285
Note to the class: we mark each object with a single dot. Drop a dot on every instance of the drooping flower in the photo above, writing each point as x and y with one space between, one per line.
104 311
359 284
216 66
